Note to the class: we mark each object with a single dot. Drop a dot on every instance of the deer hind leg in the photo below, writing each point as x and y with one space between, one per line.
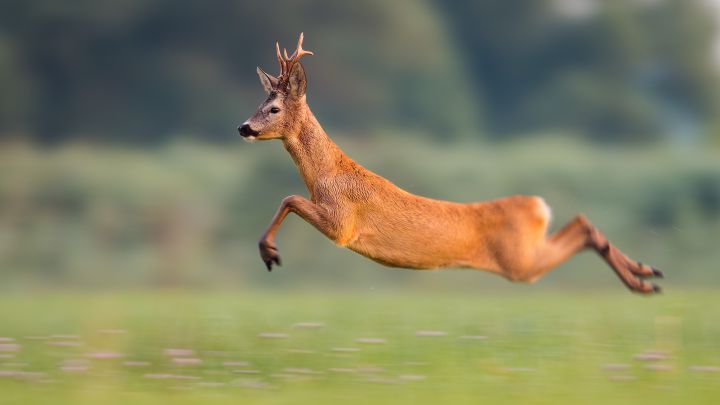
580 234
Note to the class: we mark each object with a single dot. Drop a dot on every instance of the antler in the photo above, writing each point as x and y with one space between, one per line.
287 63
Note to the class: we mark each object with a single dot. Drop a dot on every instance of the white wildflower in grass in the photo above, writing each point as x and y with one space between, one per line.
187 361
659 367
615 366
372 341
308 325
273 335
104 355
173 352
651 356
430 333
345 349
9 347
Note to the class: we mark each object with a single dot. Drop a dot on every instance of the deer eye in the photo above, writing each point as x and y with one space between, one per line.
274 110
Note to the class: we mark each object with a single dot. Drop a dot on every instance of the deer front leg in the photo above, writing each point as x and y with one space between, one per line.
312 213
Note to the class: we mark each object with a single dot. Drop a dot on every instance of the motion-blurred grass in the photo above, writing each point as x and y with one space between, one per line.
373 347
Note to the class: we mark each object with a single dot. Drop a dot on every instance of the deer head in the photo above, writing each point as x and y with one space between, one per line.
279 115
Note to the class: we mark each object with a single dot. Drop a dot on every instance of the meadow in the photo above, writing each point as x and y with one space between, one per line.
394 347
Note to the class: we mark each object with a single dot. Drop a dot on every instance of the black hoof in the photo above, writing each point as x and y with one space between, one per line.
269 263
657 273
656 289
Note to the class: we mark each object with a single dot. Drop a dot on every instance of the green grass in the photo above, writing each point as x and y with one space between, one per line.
536 347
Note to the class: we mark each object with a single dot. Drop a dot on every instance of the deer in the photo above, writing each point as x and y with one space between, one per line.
366 213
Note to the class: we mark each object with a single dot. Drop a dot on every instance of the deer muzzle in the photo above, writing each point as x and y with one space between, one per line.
246 131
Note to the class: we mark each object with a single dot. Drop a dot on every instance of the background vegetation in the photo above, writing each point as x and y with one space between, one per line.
121 165
146 71
185 214
130 209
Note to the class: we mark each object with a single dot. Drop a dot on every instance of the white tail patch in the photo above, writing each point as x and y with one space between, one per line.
544 210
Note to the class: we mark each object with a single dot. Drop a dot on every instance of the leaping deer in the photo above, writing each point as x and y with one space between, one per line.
368 214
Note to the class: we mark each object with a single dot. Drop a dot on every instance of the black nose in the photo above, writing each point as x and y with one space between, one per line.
245 130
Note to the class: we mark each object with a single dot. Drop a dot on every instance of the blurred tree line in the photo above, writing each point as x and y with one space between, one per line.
143 71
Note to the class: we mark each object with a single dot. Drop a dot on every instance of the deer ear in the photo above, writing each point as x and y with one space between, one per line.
297 83
268 81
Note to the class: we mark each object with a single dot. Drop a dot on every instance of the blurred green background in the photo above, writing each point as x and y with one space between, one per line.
130 208
121 166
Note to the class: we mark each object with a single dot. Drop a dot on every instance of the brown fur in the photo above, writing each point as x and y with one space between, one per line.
368 214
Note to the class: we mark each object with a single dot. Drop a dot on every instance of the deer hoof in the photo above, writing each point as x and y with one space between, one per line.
269 255
645 271
269 263
656 289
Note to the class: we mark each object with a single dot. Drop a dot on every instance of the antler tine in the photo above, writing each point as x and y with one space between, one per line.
280 59
287 63
299 52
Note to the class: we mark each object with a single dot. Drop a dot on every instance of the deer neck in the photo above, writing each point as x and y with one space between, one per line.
314 154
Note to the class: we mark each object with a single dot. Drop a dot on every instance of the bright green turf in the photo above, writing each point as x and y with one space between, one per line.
540 347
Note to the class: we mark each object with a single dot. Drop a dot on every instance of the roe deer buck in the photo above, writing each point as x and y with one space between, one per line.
358 209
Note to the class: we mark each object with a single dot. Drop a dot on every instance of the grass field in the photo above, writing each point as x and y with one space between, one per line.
359 347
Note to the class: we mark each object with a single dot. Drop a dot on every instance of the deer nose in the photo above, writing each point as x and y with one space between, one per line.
246 131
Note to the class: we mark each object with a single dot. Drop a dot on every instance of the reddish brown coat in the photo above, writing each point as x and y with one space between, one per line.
368 214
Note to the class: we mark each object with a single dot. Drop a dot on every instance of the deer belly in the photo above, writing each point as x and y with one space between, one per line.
415 247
